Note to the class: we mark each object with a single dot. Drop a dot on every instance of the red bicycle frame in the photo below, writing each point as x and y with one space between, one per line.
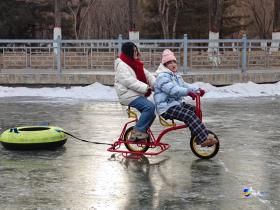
154 142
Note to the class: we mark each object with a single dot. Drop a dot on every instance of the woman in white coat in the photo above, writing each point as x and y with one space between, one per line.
134 84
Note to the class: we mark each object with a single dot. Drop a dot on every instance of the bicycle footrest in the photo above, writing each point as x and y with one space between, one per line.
161 147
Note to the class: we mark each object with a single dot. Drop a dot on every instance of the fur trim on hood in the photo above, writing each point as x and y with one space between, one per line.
162 69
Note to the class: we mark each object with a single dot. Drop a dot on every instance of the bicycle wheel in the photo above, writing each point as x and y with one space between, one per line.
204 152
134 147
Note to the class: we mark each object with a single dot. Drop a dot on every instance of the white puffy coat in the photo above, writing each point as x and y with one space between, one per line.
128 87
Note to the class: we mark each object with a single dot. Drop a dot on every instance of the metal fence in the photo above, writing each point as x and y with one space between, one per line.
92 55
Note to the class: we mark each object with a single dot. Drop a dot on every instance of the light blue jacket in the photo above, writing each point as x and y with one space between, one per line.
169 89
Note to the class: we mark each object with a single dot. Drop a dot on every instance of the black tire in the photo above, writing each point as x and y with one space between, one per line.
135 147
204 152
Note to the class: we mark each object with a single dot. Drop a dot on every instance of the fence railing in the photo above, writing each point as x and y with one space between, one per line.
91 55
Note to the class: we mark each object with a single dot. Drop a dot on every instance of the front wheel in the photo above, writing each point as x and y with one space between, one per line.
204 152
134 147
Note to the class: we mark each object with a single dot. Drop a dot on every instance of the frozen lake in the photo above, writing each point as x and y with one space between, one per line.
84 176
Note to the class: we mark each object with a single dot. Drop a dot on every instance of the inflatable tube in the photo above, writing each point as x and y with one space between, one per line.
33 137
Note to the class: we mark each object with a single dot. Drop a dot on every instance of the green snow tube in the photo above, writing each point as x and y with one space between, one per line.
33 137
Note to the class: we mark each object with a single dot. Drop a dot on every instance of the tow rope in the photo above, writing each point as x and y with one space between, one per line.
75 137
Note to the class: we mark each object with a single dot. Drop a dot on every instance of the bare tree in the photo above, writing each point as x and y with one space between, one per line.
57 13
107 21
131 11
276 27
174 25
215 15
261 12
163 10
168 11
276 20
79 10
215 22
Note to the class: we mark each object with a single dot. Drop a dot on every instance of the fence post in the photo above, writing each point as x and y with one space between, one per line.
244 54
57 51
119 44
185 64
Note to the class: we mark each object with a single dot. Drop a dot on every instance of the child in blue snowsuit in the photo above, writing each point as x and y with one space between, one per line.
170 89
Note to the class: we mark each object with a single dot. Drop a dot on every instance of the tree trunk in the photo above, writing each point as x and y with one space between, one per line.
131 11
215 21
175 19
163 9
276 27
57 13
215 15
276 20
78 22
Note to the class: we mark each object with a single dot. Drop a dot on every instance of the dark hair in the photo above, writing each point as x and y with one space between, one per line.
128 49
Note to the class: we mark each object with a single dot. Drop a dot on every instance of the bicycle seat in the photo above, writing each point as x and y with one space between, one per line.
164 122
130 113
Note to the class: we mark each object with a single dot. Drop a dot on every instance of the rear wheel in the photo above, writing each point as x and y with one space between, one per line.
204 152
134 146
